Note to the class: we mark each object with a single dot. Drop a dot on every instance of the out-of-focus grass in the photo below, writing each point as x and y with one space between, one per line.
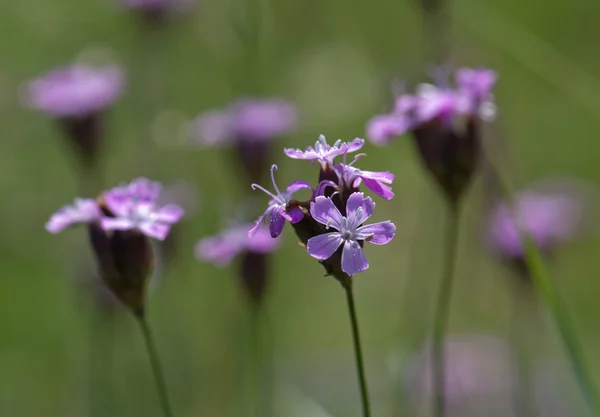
336 59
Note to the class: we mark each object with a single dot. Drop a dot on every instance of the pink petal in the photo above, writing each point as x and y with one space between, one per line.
157 231
171 213
325 212
377 233
116 223
353 258
356 201
378 188
298 185
323 246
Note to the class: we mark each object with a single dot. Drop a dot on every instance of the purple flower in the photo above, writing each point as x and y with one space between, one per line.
248 120
479 371
471 98
74 92
549 218
276 213
135 206
224 247
325 153
349 231
82 211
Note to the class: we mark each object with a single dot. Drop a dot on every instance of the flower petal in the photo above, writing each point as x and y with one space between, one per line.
323 246
325 212
355 216
353 258
171 213
276 223
382 176
383 128
260 221
262 242
378 188
355 145
296 186
116 223
295 215
220 249
156 230
377 233
82 211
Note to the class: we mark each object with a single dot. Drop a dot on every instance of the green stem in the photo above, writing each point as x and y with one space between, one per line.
442 310
156 367
101 346
555 304
362 381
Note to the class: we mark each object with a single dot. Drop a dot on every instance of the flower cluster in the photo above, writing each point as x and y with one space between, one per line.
445 124
330 224
119 223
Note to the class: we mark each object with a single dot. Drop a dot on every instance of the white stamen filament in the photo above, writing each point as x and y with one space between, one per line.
273 169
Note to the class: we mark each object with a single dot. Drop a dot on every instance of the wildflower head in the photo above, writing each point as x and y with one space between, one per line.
252 251
249 126
135 207
548 216
445 123
74 92
348 233
76 96
325 153
119 226
223 248
278 211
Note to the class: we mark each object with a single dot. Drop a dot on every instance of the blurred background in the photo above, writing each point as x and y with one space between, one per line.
336 60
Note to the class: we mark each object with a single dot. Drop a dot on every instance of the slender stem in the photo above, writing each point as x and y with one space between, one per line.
442 310
362 381
156 367
521 328
101 350
551 296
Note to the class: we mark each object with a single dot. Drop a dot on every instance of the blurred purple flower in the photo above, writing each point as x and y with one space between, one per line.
246 120
471 98
445 123
82 211
119 223
323 152
135 207
224 247
276 214
548 217
349 231
478 368
74 92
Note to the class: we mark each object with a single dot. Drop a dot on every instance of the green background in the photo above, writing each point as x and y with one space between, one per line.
336 59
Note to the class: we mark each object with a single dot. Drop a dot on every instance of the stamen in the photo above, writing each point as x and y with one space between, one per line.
273 169
264 190
357 157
